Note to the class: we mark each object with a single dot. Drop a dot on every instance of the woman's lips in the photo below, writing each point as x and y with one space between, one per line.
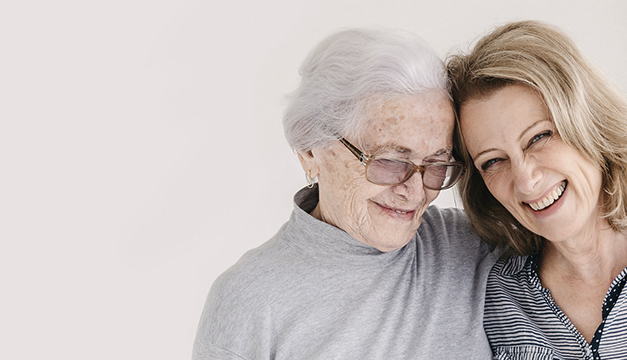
550 199
397 212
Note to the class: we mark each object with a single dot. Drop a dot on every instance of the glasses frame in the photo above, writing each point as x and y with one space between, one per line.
367 159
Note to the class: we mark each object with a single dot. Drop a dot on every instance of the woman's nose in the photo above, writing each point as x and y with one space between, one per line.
412 189
526 176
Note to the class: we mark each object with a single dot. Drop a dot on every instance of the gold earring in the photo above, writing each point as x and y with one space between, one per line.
310 183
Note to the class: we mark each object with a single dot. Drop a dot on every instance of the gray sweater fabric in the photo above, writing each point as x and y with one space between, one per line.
314 292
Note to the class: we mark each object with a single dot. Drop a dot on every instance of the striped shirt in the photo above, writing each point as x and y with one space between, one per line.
523 322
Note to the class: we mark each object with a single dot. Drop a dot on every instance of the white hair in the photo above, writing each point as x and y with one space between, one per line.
349 70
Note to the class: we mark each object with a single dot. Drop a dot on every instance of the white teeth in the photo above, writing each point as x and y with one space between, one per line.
550 199
401 212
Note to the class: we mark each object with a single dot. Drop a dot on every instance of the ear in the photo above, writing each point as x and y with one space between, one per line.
309 162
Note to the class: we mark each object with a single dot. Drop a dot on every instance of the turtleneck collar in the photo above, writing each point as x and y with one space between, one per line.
314 238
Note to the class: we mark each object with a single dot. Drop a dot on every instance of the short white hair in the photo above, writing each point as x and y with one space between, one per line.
343 74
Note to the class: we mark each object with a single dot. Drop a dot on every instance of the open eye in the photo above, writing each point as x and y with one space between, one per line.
486 165
540 136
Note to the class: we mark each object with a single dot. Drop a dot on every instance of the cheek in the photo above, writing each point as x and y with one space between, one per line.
498 185
594 177
430 195
345 179
333 168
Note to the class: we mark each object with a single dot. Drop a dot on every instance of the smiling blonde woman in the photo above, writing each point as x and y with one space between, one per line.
545 137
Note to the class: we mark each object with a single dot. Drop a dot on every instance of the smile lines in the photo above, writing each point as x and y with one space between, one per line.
550 199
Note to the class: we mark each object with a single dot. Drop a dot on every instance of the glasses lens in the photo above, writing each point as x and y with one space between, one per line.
441 176
388 171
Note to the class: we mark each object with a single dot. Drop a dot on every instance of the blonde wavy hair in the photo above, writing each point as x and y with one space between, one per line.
589 112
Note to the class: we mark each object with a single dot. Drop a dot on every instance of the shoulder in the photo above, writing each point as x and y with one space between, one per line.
509 265
519 317
257 270
512 279
448 231
510 282
447 223
237 311
447 219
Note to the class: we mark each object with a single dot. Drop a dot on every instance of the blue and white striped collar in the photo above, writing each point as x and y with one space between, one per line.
515 264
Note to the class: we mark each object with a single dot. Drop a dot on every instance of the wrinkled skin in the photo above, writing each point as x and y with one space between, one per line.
417 128
522 159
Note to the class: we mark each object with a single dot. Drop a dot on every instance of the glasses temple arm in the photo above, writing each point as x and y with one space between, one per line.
355 151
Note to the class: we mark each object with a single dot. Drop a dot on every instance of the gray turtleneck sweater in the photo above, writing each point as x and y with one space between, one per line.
314 292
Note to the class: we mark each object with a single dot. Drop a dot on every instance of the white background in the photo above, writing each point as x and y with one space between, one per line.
142 153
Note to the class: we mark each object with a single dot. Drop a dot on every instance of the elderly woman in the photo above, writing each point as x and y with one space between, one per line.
351 275
547 136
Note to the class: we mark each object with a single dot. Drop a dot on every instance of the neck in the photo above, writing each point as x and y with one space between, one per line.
316 212
593 257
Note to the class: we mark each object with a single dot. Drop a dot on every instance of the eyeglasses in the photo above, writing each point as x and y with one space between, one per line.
382 171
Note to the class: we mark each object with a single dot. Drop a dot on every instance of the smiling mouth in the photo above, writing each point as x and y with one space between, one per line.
549 199
395 210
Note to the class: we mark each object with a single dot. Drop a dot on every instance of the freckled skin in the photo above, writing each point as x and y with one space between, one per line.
422 125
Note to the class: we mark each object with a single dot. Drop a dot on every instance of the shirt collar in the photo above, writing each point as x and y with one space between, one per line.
515 264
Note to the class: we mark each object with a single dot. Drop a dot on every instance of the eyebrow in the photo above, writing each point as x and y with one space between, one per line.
522 134
484 152
445 151
531 126
404 150
390 146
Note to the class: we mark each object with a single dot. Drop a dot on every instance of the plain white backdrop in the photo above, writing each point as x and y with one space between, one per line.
142 152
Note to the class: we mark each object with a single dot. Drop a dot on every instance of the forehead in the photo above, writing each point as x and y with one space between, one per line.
420 124
508 112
